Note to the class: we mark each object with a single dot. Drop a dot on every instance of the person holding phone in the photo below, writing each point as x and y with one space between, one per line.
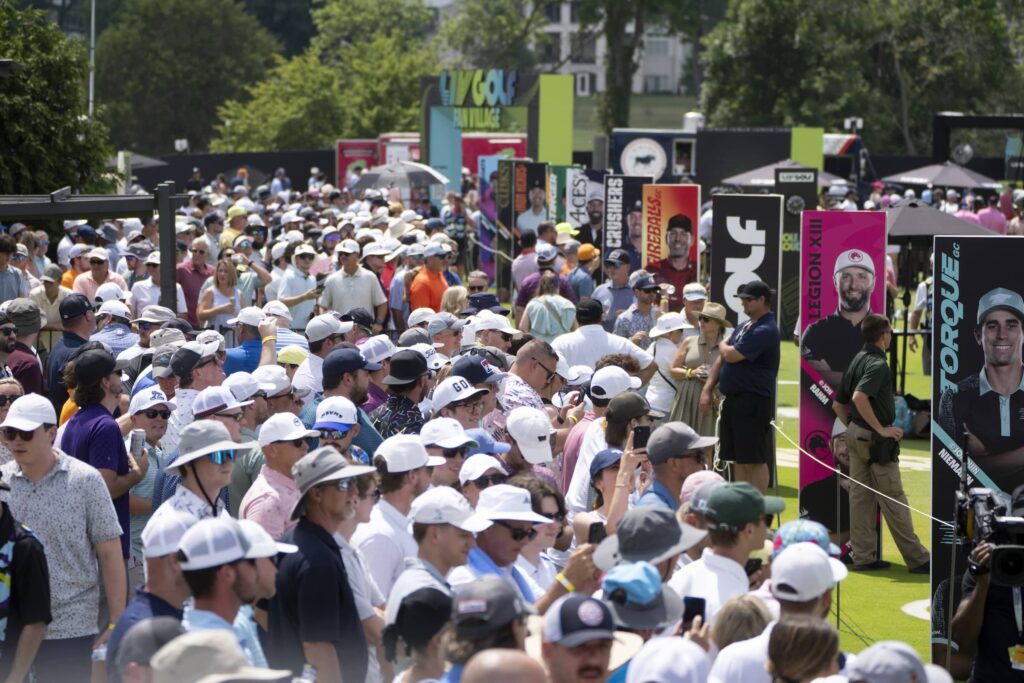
612 476
675 452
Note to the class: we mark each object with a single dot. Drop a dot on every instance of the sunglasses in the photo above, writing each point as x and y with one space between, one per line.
244 245
306 257
18 257
96 262
768 519
152 265
556 517
705 319
477 288
10 434
344 484
332 435
4 400
290 394
153 413
198 251
450 453
237 417
221 457
8 331
295 442
486 480
517 533
375 495
146 326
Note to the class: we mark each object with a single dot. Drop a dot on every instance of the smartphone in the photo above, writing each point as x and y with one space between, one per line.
753 564
596 533
641 434
692 608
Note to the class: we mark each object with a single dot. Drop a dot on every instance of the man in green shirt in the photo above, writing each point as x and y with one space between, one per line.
865 403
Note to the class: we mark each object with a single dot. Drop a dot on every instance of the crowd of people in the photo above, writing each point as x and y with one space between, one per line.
339 456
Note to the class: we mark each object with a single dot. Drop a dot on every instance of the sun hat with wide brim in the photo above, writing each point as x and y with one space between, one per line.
203 437
715 312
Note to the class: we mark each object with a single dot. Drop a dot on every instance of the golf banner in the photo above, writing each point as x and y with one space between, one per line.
623 212
799 189
557 195
843 266
524 206
977 409
671 214
584 203
748 233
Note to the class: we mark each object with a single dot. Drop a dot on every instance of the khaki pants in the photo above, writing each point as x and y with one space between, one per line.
885 479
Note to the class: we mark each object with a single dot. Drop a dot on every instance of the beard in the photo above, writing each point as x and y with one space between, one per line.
852 300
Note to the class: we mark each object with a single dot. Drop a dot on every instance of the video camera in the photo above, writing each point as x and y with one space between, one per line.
987 515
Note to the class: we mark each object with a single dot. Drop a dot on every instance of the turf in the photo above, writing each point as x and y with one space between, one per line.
870 602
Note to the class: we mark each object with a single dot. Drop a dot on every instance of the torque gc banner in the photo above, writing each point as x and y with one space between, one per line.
671 214
747 230
799 188
977 407
623 215
843 280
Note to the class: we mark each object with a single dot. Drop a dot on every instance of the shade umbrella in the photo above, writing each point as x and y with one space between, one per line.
139 161
401 174
765 176
946 174
914 223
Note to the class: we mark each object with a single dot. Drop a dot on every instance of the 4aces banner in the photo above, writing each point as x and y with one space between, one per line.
799 188
747 231
584 203
843 279
671 217
623 215
977 404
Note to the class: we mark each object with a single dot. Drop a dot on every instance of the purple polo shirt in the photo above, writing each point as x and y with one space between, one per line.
191 281
374 398
529 287
92 436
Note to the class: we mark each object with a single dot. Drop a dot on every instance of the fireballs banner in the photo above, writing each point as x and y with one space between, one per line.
671 214
977 404
748 234
843 280
623 215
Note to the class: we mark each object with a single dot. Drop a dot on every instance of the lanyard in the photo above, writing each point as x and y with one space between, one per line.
1017 613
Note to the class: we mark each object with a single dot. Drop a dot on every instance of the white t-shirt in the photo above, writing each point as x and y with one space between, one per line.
590 343
714 578
385 542
145 293
578 494
662 389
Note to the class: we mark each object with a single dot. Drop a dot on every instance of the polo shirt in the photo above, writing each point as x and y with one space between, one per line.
117 336
180 416
24 364
590 343
571 450
714 578
426 290
147 293
10 283
191 280
375 396
93 436
758 341
615 300
270 501
578 495
293 283
143 606
51 309
205 620
247 467
997 420
524 266
667 274
397 415
343 292
183 500
144 489
418 573
28 587
314 603
633 320
582 282
244 357
86 284
466 574
70 512
869 373
658 495
289 337
532 281
385 542
59 356
743 661
310 375
832 339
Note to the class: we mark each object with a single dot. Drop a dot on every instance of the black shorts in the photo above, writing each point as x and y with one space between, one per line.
745 431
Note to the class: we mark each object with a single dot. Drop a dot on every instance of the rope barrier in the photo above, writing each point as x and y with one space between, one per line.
833 469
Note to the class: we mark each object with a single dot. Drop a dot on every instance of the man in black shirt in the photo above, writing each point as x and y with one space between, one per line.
313 616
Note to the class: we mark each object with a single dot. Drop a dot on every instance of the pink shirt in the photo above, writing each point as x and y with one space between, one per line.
969 216
269 502
993 219
86 284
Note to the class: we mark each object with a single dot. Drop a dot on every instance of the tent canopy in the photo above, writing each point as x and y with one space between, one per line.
946 174
915 219
765 176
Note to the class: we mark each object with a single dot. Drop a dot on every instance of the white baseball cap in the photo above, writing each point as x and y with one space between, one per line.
277 251
262 544
213 542
803 571
531 428
435 360
276 308
162 534
444 432
337 413
250 315
445 505
485 320
98 253
284 427
854 258
29 412
669 322
378 348
212 400
242 385
406 452
420 316
114 308
508 503
610 381
147 398
375 249
323 326
452 390
347 247
110 291
695 291
273 379
475 465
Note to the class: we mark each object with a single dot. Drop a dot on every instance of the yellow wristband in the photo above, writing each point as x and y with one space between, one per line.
575 420
270 338
110 627
689 373
566 583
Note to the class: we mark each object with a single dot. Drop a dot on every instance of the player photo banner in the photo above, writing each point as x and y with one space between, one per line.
584 203
977 404
671 214
843 280
799 189
529 199
747 230
623 215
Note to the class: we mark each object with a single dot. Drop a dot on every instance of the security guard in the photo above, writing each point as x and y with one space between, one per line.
865 403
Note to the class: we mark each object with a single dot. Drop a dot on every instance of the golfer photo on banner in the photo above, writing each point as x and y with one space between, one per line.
623 215
671 214
843 280
584 203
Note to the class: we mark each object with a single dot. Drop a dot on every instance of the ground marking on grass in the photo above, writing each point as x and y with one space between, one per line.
920 609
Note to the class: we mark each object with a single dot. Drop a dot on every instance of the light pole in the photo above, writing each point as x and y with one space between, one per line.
92 57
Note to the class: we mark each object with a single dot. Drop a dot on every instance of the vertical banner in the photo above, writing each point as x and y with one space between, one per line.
487 172
557 192
623 215
799 189
807 146
529 198
671 216
584 203
506 220
843 265
445 145
748 236
557 95
977 405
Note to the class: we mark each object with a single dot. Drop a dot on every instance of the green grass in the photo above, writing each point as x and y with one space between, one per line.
646 111
871 601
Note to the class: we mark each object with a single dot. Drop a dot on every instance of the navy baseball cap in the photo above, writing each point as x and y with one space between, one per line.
603 460
576 619
87 232
213 217
618 256
74 306
476 369
754 290
340 361
484 301
433 224
361 317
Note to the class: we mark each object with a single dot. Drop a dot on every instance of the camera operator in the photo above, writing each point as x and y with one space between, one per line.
989 623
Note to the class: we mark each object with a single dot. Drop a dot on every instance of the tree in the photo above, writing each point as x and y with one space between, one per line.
290 21
164 66
46 140
341 23
496 34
